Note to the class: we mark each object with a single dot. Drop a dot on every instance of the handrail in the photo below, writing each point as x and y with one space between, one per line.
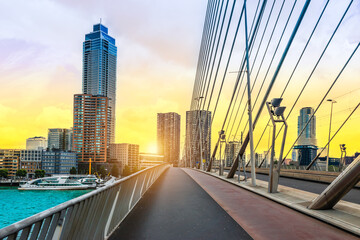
93 215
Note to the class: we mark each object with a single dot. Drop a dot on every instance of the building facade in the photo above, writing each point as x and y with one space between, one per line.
10 160
30 160
168 136
99 68
58 162
91 131
60 139
306 148
125 154
231 150
36 143
196 120
308 137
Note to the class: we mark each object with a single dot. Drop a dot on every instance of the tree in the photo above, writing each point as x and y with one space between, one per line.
126 171
102 172
73 170
115 171
4 173
39 173
21 173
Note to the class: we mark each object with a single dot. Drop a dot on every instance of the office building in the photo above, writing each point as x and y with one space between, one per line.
150 160
58 162
30 160
196 120
308 137
36 143
125 154
10 160
231 150
60 139
91 132
168 136
306 148
99 68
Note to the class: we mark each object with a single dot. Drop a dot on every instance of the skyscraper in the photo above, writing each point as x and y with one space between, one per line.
60 139
195 119
308 137
99 68
91 132
168 136
231 150
306 148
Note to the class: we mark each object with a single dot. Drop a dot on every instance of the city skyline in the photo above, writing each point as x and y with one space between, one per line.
36 62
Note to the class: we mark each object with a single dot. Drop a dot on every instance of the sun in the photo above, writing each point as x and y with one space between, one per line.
152 148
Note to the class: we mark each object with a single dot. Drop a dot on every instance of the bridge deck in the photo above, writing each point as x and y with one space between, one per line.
177 207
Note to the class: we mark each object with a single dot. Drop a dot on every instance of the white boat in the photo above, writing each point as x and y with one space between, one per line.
55 183
90 181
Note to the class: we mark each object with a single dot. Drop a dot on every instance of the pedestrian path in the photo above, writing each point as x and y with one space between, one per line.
176 207
262 218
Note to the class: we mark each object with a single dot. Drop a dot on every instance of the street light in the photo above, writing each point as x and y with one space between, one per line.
222 138
276 113
328 151
343 157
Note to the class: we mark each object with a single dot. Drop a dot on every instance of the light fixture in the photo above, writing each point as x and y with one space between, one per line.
279 111
275 102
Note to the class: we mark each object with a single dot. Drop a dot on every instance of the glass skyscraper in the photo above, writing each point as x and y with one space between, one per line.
99 68
306 148
308 136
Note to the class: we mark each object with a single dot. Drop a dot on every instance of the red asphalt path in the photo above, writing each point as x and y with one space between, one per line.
262 218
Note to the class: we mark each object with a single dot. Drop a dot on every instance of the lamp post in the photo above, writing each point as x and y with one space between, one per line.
328 151
270 126
343 157
276 113
221 161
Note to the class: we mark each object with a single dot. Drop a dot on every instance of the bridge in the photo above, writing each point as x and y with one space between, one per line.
164 202
204 200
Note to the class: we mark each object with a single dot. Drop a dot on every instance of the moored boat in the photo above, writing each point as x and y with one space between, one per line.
55 183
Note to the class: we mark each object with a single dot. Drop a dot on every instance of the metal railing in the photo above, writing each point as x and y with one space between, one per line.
94 215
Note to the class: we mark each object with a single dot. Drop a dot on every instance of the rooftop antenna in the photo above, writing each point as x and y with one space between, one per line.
100 20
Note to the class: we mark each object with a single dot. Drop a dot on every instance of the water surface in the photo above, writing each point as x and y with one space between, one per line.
16 205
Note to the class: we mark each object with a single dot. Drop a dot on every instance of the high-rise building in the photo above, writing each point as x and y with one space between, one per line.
168 136
60 138
91 131
231 150
308 137
58 162
306 148
125 154
99 68
36 143
196 120
30 160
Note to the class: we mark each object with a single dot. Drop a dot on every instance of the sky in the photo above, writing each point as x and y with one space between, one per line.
158 45
41 63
